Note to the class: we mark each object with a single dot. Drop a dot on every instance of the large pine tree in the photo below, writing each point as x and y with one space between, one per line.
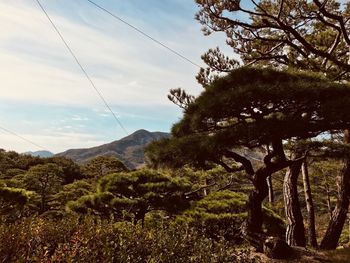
251 107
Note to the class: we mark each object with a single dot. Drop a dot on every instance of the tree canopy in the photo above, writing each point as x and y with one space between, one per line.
102 165
252 107
134 194
311 35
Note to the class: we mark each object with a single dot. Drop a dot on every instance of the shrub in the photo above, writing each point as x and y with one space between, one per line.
220 214
68 240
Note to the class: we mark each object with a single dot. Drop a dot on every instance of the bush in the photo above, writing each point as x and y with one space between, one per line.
68 240
220 214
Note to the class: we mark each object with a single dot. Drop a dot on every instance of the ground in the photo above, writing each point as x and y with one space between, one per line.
303 255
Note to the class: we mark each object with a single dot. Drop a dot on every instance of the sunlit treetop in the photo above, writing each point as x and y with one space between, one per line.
252 107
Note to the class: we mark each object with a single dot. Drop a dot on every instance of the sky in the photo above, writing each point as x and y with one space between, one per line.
46 98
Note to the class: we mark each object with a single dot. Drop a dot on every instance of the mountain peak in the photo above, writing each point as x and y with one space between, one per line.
141 131
129 150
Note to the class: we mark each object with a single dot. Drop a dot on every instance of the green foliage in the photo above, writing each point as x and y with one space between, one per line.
105 205
13 160
13 164
259 104
12 172
19 196
134 193
273 224
323 184
102 165
71 192
12 202
221 214
252 107
71 240
45 180
70 170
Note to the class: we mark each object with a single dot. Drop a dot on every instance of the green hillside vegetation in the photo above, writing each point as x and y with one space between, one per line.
166 215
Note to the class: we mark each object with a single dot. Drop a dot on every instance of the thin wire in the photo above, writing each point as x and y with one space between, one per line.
145 34
22 138
81 67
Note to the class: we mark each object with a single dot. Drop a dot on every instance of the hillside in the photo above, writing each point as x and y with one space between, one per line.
43 154
128 149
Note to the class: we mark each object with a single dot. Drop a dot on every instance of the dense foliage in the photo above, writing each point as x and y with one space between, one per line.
189 214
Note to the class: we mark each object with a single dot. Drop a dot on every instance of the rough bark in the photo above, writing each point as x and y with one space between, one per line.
337 221
252 227
312 240
295 233
270 187
256 198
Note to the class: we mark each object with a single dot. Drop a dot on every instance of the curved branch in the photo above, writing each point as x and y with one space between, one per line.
228 168
322 8
247 165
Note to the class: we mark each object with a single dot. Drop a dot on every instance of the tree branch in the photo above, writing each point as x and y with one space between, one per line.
322 8
247 165
228 168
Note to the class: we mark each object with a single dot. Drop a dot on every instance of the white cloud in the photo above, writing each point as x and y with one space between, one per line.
79 118
127 68
35 67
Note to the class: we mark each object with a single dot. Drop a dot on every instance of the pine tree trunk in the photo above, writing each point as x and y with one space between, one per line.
309 206
252 227
337 221
328 193
338 218
295 233
256 198
270 186
349 229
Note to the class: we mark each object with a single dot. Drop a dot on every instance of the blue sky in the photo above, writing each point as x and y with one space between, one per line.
45 97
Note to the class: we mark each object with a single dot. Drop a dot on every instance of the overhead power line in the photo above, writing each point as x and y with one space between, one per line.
81 67
22 138
145 34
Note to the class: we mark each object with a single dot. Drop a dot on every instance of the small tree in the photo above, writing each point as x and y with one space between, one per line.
71 192
70 170
44 179
103 165
135 193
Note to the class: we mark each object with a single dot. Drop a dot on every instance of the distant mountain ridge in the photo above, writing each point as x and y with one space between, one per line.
43 154
129 150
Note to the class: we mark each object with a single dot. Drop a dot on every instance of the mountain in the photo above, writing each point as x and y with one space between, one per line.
129 150
43 154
